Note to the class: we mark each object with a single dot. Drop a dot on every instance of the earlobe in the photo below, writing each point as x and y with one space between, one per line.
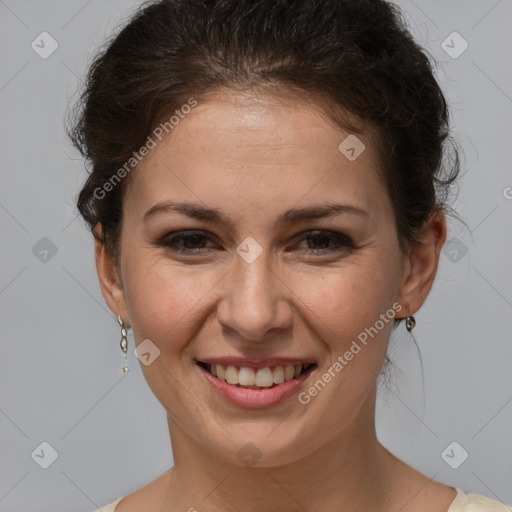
423 260
109 280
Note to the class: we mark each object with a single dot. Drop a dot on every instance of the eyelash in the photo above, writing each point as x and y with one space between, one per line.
344 242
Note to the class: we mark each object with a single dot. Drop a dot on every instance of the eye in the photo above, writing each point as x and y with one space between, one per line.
187 242
321 242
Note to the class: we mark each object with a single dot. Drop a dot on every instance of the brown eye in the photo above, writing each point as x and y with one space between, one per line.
191 242
326 241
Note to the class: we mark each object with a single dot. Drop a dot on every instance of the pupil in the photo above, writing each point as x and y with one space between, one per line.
319 238
192 241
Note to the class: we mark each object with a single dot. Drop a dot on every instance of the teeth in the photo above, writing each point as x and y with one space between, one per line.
263 377
246 377
278 375
289 371
231 375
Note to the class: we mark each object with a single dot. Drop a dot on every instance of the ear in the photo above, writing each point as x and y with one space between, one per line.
422 263
109 279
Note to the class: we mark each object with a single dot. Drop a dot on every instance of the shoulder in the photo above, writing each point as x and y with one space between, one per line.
476 503
110 507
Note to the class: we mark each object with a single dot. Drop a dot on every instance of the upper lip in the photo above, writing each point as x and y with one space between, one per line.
256 363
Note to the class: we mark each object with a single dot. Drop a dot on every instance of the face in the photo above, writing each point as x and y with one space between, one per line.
251 243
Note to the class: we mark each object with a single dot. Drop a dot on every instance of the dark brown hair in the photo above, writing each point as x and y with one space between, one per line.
354 56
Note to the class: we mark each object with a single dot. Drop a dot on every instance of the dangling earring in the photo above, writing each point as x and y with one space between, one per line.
124 344
410 322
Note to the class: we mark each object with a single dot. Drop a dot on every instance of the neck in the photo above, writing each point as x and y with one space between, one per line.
349 472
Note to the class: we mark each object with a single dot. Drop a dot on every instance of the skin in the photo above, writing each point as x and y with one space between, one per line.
253 157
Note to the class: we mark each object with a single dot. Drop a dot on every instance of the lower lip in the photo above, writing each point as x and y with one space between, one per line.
254 398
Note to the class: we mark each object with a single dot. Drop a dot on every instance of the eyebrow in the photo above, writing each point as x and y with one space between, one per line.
292 216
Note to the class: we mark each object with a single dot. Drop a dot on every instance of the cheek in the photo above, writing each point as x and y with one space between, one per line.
344 302
164 299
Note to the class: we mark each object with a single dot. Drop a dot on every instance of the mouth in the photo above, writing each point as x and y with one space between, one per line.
256 376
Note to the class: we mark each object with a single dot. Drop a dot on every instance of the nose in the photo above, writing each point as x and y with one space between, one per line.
256 301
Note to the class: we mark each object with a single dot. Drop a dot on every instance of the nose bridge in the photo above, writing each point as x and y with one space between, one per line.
254 302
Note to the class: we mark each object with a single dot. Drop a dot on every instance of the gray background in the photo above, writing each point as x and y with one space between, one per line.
60 381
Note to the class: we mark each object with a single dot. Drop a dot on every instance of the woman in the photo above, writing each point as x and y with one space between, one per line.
267 195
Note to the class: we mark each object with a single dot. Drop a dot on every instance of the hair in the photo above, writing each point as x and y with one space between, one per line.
355 58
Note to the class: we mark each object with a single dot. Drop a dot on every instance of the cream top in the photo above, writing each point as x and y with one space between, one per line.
462 503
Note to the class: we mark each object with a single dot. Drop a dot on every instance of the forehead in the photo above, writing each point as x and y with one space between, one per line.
265 148
241 125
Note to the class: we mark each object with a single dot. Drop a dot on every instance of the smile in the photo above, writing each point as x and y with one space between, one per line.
251 378
255 384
